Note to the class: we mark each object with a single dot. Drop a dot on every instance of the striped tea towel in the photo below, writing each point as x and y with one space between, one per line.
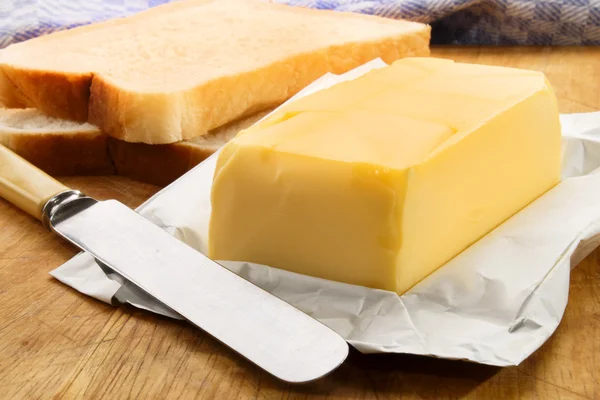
523 22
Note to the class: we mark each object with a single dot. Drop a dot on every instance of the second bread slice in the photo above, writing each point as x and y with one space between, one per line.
67 148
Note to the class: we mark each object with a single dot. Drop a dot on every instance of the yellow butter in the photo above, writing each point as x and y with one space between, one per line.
380 181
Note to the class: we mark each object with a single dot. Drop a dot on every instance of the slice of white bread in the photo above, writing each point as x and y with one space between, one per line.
179 70
63 148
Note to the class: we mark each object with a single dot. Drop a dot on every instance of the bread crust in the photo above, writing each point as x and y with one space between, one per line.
56 94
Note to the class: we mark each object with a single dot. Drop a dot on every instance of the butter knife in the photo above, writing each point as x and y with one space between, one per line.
264 329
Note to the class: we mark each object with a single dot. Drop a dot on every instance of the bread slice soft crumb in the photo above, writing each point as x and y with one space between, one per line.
179 70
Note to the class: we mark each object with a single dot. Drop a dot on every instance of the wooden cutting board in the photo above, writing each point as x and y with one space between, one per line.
55 342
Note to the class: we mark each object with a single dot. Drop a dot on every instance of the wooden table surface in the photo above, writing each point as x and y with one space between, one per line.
55 342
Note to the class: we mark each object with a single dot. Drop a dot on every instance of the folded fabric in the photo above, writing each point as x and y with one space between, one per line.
489 22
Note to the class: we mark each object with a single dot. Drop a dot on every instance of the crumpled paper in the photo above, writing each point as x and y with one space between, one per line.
495 303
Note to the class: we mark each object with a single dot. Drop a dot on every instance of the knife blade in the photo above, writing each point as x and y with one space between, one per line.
264 329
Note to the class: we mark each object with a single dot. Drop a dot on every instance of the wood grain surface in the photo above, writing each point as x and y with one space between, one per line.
57 343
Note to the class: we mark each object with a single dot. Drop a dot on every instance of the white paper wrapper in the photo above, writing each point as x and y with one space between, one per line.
495 303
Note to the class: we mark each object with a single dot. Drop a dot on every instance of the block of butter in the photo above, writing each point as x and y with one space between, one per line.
382 180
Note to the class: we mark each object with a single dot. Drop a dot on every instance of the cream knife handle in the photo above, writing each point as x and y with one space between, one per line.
24 185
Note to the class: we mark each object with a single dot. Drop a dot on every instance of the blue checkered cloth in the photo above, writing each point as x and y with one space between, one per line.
482 22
